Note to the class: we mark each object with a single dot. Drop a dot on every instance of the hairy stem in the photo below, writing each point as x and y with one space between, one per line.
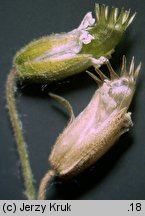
21 145
44 183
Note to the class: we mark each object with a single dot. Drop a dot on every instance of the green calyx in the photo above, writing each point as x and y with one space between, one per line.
37 48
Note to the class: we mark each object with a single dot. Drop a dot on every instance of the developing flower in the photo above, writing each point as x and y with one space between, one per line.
61 55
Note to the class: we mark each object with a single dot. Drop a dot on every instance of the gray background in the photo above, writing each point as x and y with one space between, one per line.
120 174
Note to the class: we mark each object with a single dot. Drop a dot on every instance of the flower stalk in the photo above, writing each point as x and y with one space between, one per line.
30 192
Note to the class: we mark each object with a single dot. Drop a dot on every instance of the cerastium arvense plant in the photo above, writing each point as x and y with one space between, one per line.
61 55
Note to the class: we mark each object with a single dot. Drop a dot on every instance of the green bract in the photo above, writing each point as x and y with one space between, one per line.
58 56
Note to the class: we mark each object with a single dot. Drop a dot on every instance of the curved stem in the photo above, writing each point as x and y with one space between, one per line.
43 184
21 145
